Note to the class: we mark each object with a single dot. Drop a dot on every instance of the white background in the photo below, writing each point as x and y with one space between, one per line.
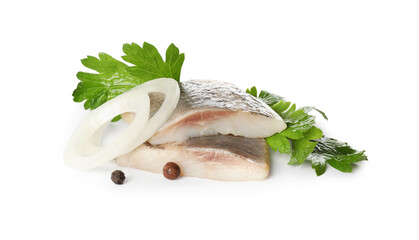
356 60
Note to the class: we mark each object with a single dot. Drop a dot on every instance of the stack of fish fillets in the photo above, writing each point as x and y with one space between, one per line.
217 132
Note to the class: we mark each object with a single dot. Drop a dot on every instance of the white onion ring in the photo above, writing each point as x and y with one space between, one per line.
84 150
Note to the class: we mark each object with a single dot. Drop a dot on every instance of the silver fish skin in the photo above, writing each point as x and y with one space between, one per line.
208 107
219 157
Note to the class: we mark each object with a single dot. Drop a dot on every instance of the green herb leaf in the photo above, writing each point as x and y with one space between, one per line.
302 148
269 98
252 91
111 80
296 130
114 77
336 153
298 121
280 107
280 143
318 163
149 64
309 109
175 61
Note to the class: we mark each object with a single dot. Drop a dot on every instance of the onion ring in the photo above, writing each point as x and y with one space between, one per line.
84 150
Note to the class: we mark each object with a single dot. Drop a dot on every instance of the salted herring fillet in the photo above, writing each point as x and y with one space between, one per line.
218 157
208 107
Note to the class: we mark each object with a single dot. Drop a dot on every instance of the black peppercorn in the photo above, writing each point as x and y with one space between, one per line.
171 170
118 177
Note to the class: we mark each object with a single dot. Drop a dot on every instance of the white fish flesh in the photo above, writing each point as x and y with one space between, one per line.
218 157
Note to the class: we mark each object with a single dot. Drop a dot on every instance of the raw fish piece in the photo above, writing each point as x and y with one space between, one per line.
208 107
218 157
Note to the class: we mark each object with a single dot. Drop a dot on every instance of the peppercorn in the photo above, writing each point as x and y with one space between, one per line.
171 170
118 177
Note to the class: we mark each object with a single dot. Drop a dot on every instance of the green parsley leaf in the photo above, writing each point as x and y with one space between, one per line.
252 91
308 109
114 77
318 163
336 153
280 143
280 107
296 130
111 80
298 121
175 61
269 98
302 148
149 64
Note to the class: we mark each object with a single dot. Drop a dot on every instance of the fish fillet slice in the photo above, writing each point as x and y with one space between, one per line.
208 107
223 158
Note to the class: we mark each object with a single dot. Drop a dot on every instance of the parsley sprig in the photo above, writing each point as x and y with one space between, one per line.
114 77
303 140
